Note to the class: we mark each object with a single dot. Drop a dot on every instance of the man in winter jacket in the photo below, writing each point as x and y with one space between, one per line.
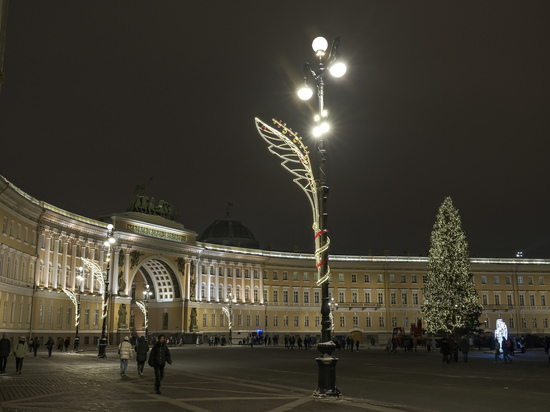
125 351
160 354
5 349
141 348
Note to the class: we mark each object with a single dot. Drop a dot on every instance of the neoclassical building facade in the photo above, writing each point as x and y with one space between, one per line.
44 250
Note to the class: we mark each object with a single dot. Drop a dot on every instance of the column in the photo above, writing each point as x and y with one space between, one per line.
55 260
127 268
46 269
224 293
234 277
187 280
198 277
113 273
252 284
208 281
243 284
74 270
64 263
261 291
217 282
83 254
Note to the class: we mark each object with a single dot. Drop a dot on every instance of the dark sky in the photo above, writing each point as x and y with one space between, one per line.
441 98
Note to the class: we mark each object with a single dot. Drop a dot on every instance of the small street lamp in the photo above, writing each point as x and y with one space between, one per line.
80 279
146 295
228 310
106 295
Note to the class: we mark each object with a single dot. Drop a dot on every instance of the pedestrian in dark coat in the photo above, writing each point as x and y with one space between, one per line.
160 354
34 344
5 349
50 344
67 343
445 350
141 348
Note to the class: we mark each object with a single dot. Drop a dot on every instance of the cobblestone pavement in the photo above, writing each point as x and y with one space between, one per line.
69 381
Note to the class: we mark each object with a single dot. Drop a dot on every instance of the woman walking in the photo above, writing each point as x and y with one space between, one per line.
125 351
20 351
141 348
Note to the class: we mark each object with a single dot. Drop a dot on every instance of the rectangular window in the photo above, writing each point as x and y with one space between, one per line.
285 296
275 275
497 300
415 298
413 279
520 280
354 278
69 316
237 273
541 280
317 321
403 298
204 319
295 296
342 322
213 319
355 321
403 278
535 324
521 300
222 320
381 321
341 297
530 280
59 316
406 322
380 278
392 278
369 322
306 321
248 321
296 321
295 276
532 300
306 296
393 321
40 313
285 321
240 320
340 277
508 280
275 320
96 317
484 299
275 296
367 297
316 297
496 280
306 277
367 278
509 301
380 298
524 323
265 274
424 278
354 297
247 274
393 299
511 323
87 317
285 275
484 280
542 300
256 275
545 323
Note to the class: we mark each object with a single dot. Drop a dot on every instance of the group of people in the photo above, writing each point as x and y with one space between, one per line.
159 356
20 349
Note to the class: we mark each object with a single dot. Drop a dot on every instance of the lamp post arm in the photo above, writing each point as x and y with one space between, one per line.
73 298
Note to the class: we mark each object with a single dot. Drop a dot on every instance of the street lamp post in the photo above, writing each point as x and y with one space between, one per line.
326 362
228 310
80 278
106 295
333 308
146 295
288 146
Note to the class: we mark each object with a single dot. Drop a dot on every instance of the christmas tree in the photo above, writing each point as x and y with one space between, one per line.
451 303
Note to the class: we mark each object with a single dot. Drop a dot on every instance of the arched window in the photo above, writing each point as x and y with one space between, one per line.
203 291
247 294
58 275
238 293
229 292
212 292
220 292
255 294
16 269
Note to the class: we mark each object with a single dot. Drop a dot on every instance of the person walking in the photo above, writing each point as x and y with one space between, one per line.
5 350
141 356
34 344
49 345
160 354
20 350
506 350
464 347
125 352
67 343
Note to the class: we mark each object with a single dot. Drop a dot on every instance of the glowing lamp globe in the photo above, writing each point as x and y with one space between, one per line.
319 44
338 69
305 93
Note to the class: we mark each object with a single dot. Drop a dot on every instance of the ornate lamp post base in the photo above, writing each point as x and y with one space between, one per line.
327 371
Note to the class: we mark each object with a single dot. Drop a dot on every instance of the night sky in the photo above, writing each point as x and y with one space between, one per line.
441 98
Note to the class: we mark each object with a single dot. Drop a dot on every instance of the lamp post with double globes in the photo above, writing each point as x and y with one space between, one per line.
326 362
109 242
